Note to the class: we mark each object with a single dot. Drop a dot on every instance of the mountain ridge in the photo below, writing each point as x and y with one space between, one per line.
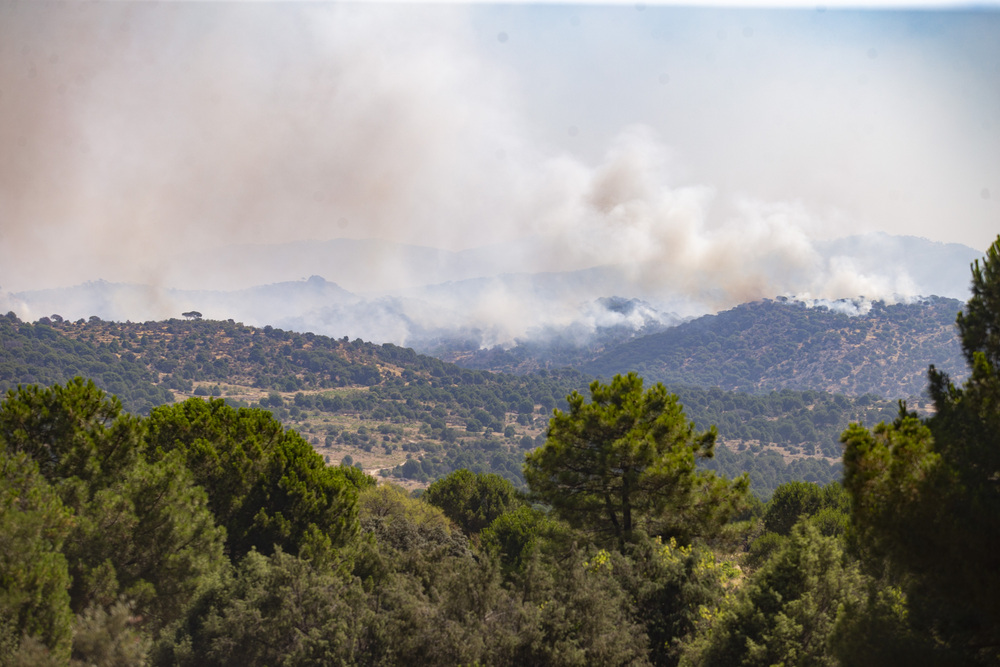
850 346
774 344
413 295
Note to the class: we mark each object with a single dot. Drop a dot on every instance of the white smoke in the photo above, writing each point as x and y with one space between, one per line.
199 150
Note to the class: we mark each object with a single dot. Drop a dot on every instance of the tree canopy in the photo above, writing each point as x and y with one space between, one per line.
926 498
208 535
139 528
266 485
626 460
473 500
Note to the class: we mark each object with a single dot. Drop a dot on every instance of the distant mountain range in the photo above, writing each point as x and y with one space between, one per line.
445 302
373 267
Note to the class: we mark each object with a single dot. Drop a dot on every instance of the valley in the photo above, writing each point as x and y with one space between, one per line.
412 418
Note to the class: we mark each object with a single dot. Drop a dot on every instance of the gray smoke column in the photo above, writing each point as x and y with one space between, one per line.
670 242
134 132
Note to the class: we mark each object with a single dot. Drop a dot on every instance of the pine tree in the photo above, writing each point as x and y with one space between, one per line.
626 461
926 492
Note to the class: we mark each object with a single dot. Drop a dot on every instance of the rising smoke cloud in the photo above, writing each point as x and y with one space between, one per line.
135 132
143 142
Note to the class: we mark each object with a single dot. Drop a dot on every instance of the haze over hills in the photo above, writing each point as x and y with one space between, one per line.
438 300
559 189
850 346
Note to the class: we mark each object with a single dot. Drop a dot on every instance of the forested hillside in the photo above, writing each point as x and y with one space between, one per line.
764 346
43 354
394 412
769 345
204 534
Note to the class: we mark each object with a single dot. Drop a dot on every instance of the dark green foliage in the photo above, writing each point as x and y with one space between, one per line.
275 610
473 501
380 578
793 500
979 325
925 495
411 547
431 601
438 603
149 538
671 586
140 528
266 485
807 422
762 548
827 508
513 537
356 478
788 612
34 579
585 617
627 460
40 354
876 632
414 591
73 432
768 470
487 455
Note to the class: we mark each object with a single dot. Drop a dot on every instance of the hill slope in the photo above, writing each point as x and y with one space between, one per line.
770 345
395 412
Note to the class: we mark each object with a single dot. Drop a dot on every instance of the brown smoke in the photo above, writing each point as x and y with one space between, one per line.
138 138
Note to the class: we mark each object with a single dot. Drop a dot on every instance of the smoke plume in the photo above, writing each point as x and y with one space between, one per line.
200 150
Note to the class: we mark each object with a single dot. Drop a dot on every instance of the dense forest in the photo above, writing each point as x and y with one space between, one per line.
398 414
767 346
206 534
772 345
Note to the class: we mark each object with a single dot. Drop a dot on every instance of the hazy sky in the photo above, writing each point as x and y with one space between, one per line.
134 132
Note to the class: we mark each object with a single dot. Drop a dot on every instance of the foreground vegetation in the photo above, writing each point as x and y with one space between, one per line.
204 534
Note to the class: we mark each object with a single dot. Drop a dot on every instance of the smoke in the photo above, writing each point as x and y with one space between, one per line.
137 132
668 243
199 150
